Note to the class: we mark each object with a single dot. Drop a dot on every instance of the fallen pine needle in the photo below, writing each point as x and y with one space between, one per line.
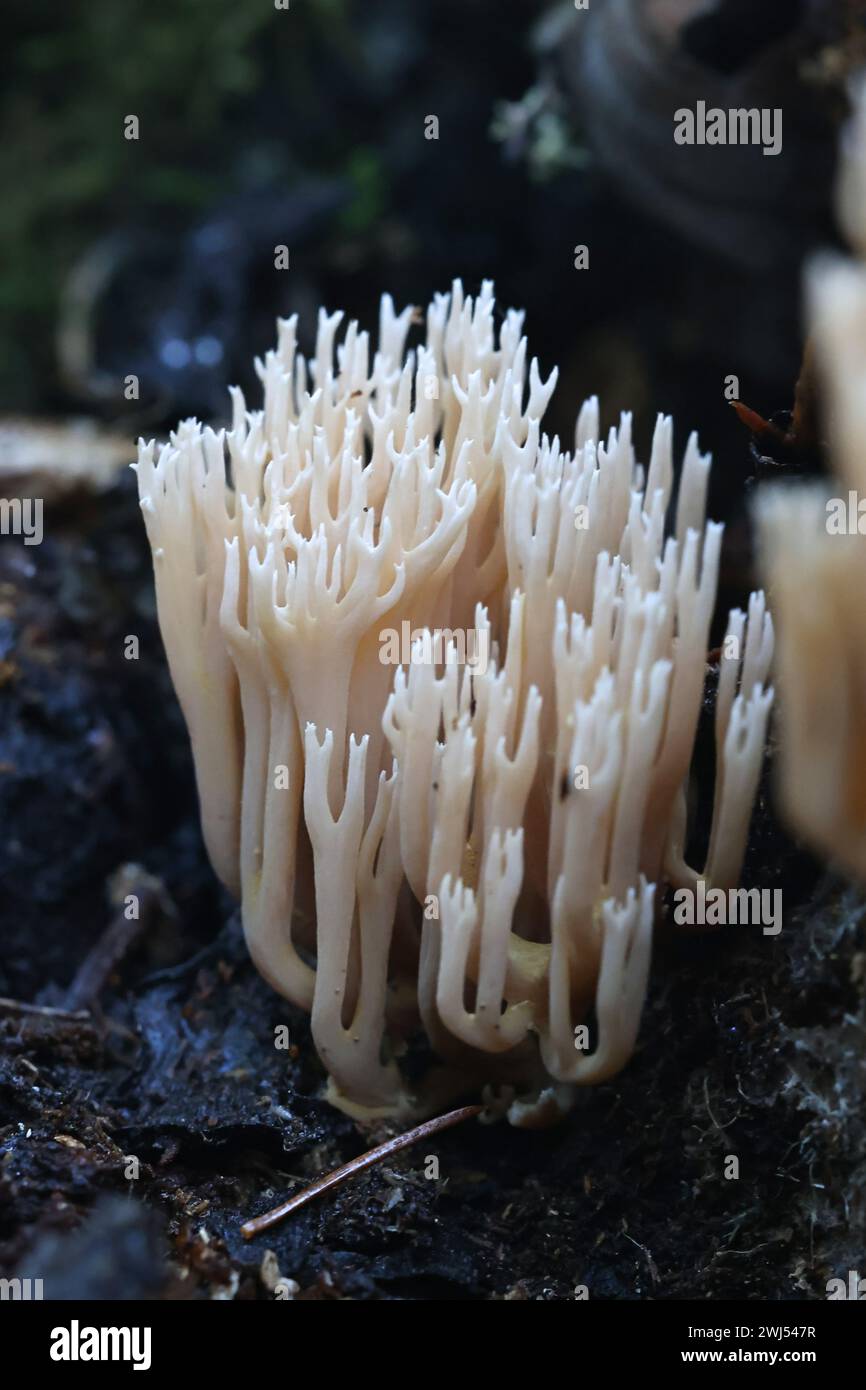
17 1006
257 1224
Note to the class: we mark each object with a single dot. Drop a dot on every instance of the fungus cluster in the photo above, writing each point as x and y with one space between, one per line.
814 551
475 847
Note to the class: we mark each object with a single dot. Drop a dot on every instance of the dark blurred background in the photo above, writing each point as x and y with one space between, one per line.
306 127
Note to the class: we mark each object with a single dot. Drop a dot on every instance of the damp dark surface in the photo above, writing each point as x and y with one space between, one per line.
143 1122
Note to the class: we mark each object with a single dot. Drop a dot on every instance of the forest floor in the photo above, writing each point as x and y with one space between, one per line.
145 1112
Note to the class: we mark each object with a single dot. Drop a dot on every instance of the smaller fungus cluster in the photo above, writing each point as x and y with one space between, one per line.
814 549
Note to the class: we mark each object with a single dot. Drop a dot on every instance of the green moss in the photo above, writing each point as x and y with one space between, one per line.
191 73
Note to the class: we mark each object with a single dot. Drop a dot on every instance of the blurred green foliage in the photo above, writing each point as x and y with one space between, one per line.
194 74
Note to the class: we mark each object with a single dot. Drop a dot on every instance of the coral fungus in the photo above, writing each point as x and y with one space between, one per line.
814 555
473 846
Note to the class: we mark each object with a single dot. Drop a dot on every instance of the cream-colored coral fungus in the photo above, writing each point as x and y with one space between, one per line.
814 551
475 845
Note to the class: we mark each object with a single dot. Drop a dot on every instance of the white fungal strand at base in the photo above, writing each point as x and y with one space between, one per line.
443 679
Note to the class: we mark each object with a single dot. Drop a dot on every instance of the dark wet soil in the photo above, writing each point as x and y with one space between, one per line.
145 1111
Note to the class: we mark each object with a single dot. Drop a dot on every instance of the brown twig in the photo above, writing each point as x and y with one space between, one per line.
757 425
257 1224
119 937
